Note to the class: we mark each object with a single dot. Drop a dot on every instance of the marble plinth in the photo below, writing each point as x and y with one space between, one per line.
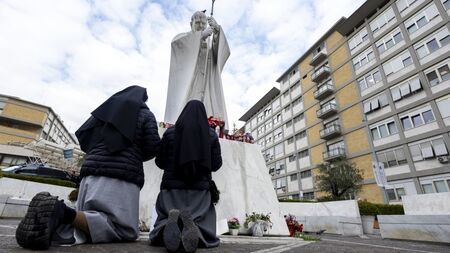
243 181
433 228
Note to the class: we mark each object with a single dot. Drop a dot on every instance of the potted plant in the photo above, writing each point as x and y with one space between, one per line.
258 223
233 226
293 225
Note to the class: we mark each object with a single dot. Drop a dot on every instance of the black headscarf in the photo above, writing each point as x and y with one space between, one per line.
114 121
192 140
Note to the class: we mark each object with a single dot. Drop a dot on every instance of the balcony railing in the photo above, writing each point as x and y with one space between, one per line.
318 57
334 154
330 132
327 110
321 73
324 91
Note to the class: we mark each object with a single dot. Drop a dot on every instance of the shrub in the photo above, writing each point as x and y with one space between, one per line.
43 180
367 208
390 209
296 200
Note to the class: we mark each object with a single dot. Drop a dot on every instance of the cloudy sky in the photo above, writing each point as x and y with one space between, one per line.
71 55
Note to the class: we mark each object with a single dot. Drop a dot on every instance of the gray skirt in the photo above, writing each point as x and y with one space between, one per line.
111 207
198 203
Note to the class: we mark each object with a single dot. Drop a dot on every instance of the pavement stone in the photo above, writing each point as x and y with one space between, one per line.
243 244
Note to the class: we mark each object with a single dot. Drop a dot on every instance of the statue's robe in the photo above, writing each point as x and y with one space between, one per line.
195 73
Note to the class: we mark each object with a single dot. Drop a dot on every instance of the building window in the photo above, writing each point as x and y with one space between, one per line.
440 185
417 118
395 194
277 134
299 117
288 124
285 94
293 177
422 18
444 106
438 74
402 5
363 58
375 103
398 63
267 111
318 49
389 41
287 108
446 4
300 135
432 43
427 188
279 149
277 119
291 158
290 140
308 195
305 174
383 130
382 19
303 154
276 104
428 149
2 106
369 80
297 101
406 89
358 39
392 158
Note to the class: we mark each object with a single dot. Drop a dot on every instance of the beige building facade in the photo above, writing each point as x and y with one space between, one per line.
374 88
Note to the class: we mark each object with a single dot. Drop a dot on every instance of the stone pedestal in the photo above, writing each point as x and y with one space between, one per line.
243 181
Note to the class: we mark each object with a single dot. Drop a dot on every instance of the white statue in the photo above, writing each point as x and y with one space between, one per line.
196 63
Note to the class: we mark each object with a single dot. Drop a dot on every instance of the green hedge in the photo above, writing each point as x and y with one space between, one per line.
367 208
44 180
296 200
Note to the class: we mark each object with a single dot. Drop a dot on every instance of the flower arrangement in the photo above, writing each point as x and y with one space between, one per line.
293 225
233 223
253 217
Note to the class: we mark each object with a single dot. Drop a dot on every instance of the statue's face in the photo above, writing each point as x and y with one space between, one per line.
198 22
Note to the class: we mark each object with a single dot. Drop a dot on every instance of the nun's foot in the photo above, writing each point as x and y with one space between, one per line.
190 234
172 233
41 220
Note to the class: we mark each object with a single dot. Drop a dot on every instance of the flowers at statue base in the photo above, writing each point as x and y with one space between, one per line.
233 223
293 225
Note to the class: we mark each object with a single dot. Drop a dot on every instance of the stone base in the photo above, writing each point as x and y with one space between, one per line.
243 181
432 228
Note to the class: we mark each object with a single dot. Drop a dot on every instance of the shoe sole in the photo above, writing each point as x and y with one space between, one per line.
34 232
172 233
190 234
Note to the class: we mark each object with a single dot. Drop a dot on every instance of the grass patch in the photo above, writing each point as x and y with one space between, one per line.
307 237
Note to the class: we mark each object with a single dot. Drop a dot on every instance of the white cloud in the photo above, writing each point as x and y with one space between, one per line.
71 55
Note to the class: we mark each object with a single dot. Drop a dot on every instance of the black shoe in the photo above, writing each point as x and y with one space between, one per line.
190 234
172 233
43 216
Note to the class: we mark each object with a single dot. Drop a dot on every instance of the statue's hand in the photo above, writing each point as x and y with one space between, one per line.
206 33
213 24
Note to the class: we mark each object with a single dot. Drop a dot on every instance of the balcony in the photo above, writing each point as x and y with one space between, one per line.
321 73
327 110
330 132
334 154
324 91
318 57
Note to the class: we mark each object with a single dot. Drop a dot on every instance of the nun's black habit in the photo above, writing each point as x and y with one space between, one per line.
189 152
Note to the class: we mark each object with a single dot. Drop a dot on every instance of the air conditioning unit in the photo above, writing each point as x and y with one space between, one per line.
443 159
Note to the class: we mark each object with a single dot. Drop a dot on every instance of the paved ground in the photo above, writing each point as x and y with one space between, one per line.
243 244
